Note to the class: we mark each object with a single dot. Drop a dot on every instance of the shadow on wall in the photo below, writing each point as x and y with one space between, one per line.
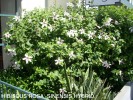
57 3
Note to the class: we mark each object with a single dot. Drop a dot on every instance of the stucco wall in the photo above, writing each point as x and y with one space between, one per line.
31 4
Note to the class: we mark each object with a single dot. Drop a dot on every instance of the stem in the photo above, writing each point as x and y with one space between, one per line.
67 80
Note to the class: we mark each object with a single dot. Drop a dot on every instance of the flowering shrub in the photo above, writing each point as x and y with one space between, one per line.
122 19
44 42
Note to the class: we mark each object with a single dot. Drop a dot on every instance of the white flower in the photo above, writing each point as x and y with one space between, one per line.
27 58
120 61
99 36
69 4
106 64
91 34
82 31
58 61
54 13
60 41
108 22
120 72
66 14
62 91
7 35
44 23
16 18
131 29
55 16
72 33
116 23
109 19
12 52
63 19
106 37
71 55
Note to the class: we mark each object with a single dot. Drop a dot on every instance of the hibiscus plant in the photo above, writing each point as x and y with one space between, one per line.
44 42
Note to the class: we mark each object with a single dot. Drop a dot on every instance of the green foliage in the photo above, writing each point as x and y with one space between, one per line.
90 85
45 42
123 19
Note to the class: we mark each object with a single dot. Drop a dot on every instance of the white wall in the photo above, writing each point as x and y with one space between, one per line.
31 4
